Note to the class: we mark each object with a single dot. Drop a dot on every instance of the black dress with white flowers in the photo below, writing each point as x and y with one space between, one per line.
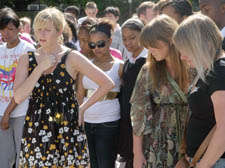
51 136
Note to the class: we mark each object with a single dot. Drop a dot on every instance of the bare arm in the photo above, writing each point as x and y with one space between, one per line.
85 67
137 145
5 119
139 159
139 101
24 85
217 144
80 89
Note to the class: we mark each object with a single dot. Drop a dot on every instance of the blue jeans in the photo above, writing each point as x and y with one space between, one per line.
102 141
220 163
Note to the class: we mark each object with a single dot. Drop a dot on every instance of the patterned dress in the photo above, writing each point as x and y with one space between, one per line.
160 118
51 136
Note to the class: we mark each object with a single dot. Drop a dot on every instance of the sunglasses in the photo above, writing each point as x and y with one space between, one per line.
99 44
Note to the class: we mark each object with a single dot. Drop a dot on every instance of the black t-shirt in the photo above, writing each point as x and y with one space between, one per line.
202 117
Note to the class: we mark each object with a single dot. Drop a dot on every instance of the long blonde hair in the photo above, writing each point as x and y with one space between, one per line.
162 29
199 38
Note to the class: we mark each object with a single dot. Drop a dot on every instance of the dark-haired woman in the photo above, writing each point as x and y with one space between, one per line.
83 37
70 32
177 9
131 30
102 118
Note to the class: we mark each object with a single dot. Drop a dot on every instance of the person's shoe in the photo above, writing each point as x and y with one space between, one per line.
120 159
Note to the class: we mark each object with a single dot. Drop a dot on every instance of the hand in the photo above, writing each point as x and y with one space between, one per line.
48 63
5 121
139 160
81 117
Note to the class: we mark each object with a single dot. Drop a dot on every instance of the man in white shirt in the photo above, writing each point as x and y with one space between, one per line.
11 114
113 13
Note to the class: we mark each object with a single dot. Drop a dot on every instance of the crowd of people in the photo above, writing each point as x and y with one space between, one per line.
89 93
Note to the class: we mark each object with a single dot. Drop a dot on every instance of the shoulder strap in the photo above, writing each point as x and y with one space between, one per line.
202 148
180 135
32 61
177 88
66 54
30 54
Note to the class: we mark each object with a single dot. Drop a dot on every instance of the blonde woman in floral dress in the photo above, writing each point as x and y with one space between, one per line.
159 104
52 136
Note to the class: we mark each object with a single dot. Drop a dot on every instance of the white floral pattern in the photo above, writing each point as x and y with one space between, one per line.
51 136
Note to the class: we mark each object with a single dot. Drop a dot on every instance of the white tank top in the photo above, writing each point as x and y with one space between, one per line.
106 110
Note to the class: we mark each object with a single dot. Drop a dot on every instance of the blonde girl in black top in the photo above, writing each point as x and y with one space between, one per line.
200 43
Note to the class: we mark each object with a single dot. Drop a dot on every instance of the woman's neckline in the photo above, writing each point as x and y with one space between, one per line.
58 63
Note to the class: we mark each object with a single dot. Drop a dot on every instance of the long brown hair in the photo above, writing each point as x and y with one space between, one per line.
162 29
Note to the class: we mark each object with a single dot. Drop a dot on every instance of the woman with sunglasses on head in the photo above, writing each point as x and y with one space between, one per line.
131 30
102 118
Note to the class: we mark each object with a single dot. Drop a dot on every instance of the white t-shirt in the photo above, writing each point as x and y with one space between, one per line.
8 63
80 21
143 54
106 110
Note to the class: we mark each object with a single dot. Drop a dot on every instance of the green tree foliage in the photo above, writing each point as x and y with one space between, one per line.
123 5
126 8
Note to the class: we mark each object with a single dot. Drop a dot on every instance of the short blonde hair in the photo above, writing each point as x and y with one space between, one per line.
50 14
199 38
25 20
162 29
